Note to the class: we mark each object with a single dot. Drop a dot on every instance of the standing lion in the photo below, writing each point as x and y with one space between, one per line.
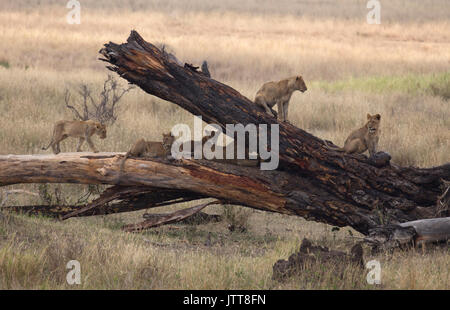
83 130
279 93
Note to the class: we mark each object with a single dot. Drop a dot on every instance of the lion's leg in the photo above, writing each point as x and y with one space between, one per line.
80 143
91 145
354 146
55 148
262 102
56 143
286 109
372 148
280 105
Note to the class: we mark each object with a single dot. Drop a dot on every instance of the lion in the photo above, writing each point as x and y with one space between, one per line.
143 148
83 130
279 93
362 139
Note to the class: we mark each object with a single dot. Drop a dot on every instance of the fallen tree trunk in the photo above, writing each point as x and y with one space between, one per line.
408 234
352 187
311 181
247 186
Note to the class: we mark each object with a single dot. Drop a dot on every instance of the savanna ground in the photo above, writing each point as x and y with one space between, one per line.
400 69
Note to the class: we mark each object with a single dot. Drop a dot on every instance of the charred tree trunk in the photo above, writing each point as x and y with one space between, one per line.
330 187
311 181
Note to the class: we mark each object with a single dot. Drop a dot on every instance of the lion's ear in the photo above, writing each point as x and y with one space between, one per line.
378 116
368 116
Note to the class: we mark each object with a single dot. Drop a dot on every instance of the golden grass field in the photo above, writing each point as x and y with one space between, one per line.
351 68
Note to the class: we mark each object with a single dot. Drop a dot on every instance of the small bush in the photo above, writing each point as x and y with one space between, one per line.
236 217
103 109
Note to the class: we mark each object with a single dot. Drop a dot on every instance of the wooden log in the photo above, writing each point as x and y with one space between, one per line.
430 230
248 186
276 191
391 236
227 182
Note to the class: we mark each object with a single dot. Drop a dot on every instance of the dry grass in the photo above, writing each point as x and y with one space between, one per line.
34 253
399 69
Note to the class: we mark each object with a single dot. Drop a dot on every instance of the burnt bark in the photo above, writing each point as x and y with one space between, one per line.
332 187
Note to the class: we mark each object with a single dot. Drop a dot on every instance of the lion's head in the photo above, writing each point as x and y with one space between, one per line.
373 123
300 84
100 129
168 139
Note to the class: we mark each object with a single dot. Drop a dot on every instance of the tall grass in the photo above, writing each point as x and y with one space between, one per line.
413 84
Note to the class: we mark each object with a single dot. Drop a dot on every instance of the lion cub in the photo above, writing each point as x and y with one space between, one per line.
362 139
143 148
279 93
83 130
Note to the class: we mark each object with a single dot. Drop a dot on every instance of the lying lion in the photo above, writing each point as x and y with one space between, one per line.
143 148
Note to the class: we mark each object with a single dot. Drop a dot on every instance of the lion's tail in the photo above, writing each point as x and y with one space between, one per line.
46 148
52 140
122 163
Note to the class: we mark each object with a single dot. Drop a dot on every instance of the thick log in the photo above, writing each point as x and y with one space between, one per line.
430 230
144 183
226 182
274 191
347 182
